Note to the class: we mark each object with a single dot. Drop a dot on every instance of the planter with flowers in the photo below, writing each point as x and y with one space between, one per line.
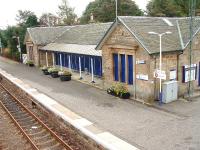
45 70
30 63
65 75
53 72
119 90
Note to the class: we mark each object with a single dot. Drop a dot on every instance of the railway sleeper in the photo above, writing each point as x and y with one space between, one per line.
40 133
43 138
47 143
57 146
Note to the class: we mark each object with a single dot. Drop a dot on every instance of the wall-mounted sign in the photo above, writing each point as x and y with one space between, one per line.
189 73
141 62
142 77
172 74
160 74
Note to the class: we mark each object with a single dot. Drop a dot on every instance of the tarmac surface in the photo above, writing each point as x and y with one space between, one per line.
175 126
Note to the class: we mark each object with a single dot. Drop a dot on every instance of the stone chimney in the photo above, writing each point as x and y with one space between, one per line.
91 17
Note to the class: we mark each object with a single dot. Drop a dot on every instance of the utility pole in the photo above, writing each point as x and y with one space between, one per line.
192 14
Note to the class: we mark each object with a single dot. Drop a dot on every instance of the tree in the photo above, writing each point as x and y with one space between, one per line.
48 19
162 8
66 13
170 8
31 21
22 16
104 10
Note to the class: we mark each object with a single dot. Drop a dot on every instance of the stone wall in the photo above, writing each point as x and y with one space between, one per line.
42 57
184 60
122 42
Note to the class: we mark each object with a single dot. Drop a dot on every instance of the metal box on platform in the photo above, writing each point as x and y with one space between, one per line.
170 91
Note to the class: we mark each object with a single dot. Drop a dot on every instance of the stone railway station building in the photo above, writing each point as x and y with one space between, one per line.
123 51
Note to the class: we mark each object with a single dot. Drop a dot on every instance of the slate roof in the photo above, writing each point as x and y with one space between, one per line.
89 34
45 35
140 26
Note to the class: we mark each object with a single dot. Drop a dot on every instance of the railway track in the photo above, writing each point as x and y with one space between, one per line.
33 129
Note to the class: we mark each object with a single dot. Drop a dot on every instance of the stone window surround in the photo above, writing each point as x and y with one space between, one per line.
126 70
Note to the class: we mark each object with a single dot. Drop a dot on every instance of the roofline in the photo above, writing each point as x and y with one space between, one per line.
31 36
99 45
61 34
192 38
180 35
134 35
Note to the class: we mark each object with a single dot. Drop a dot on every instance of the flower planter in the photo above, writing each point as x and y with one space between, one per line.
54 75
111 92
45 72
65 77
124 95
31 65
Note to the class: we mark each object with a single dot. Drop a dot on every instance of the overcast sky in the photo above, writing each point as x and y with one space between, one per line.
9 8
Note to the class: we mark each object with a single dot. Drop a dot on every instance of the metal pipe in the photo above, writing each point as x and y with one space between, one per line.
60 61
53 59
92 70
80 68
47 63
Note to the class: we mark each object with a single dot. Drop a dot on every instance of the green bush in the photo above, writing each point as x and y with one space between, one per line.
118 89
65 73
53 69
29 62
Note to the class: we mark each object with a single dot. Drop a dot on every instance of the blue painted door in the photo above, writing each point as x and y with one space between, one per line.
98 66
199 73
130 69
115 67
66 60
123 68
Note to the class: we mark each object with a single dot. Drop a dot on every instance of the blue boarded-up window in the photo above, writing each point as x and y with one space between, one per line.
63 59
66 61
115 67
97 66
130 69
199 73
123 68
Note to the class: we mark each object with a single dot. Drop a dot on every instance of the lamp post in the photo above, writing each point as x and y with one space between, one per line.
116 8
18 46
160 37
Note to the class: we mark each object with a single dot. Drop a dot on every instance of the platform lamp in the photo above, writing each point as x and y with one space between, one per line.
160 37
18 47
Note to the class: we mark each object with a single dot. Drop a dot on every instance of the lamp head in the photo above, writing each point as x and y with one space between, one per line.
168 32
154 33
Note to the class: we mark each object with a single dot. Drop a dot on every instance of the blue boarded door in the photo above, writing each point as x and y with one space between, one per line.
115 67
123 68
130 69
199 73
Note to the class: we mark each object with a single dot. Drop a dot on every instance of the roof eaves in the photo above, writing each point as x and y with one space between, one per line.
111 28
180 50
134 35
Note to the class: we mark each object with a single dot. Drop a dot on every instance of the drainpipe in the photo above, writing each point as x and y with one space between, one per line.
47 63
155 62
53 58
178 65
